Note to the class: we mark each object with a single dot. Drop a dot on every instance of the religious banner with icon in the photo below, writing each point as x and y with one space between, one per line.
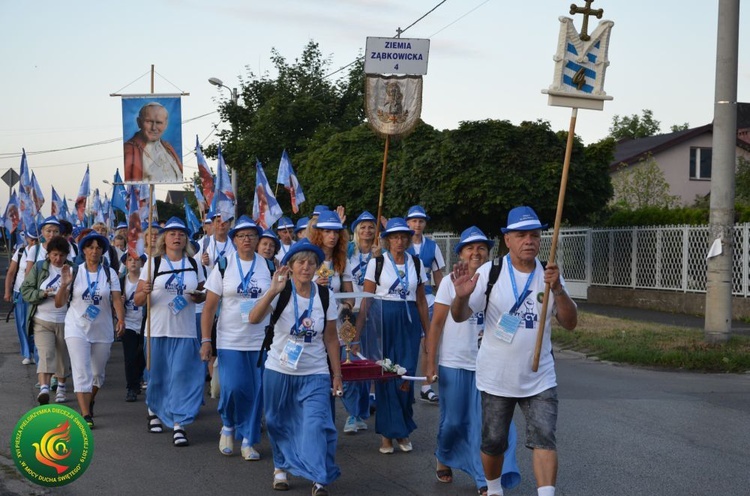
581 62
393 104
152 130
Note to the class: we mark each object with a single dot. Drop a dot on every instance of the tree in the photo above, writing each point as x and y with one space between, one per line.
675 128
642 185
742 181
634 126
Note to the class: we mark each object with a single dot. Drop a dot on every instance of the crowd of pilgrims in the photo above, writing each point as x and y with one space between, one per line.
211 302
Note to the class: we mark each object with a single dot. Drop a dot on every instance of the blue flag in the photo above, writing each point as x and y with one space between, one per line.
119 195
192 221
11 217
24 176
56 205
288 178
266 209
83 193
223 200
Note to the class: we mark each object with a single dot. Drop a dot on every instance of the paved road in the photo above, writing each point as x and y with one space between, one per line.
622 431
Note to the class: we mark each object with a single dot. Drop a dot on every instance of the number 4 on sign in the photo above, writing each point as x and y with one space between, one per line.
395 67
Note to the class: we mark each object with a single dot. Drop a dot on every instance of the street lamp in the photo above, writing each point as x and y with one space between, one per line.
234 98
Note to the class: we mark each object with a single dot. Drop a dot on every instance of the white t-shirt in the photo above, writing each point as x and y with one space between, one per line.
46 310
458 346
166 287
504 369
314 354
358 263
334 281
282 251
32 255
21 268
133 313
390 287
101 329
217 249
232 332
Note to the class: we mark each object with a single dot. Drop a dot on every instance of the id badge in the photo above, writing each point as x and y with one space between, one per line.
177 304
291 354
507 327
245 307
92 311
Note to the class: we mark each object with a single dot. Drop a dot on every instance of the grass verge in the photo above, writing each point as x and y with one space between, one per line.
653 345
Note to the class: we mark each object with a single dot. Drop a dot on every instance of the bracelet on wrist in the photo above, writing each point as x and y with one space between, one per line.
205 340
559 292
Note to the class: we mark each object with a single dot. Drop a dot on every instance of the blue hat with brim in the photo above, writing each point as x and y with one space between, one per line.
124 258
49 221
32 232
417 212
396 225
301 224
472 235
243 223
364 216
329 219
121 225
319 209
94 236
285 223
523 219
271 235
175 224
300 246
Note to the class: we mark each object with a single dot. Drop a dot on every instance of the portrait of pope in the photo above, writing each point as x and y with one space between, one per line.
150 158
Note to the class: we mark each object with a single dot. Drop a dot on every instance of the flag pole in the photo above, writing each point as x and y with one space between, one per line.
555 235
382 187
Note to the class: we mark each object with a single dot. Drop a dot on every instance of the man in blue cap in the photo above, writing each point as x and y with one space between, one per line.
504 375
285 232
432 260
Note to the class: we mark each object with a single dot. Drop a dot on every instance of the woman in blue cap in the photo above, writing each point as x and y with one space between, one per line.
175 388
238 342
300 229
297 382
285 232
268 248
456 345
91 290
397 279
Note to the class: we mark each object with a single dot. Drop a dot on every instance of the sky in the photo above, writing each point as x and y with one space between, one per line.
489 59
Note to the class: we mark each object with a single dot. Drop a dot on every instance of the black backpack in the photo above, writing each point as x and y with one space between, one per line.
284 298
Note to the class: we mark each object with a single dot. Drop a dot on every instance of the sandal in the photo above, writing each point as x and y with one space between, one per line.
482 491
280 482
179 438
319 490
154 425
444 475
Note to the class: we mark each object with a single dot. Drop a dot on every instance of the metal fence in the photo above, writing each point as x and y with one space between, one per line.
671 258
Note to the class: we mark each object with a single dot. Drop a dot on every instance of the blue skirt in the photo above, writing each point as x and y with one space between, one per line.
394 416
300 426
20 313
356 397
460 433
176 380
241 396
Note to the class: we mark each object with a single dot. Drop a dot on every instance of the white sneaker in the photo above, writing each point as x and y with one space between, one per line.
60 397
249 453
350 427
361 424
27 361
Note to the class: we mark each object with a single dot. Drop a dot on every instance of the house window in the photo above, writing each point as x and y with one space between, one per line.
700 163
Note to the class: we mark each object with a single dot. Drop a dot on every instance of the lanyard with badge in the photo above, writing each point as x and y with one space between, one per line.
92 311
403 280
362 268
218 255
301 331
178 302
247 303
508 323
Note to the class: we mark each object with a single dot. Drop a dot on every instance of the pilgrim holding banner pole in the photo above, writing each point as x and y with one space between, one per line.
580 65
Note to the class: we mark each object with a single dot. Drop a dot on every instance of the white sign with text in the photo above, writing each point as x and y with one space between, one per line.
396 56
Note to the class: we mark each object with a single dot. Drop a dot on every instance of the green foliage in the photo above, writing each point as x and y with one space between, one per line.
634 126
675 128
658 216
742 181
642 185
168 210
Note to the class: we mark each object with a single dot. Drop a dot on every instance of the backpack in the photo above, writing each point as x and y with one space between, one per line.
284 298
417 266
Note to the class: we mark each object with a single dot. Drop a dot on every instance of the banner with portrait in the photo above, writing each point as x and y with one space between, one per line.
393 104
152 134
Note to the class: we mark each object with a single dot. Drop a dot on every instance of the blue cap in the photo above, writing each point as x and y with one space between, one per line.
396 225
473 235
329 219
319 209
303 245
50 221
285 223
121 225
94 236
245 222
417 212
523 219
175 224
271 235
32 232
124 258
301 224
364 216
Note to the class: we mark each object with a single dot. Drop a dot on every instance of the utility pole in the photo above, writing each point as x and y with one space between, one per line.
718 324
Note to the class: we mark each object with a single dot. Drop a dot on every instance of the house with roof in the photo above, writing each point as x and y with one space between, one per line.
684 157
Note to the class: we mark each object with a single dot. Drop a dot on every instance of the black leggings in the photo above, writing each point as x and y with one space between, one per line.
135 361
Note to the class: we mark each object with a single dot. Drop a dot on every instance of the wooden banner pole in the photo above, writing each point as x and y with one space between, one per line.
382 188
150 249
555 235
